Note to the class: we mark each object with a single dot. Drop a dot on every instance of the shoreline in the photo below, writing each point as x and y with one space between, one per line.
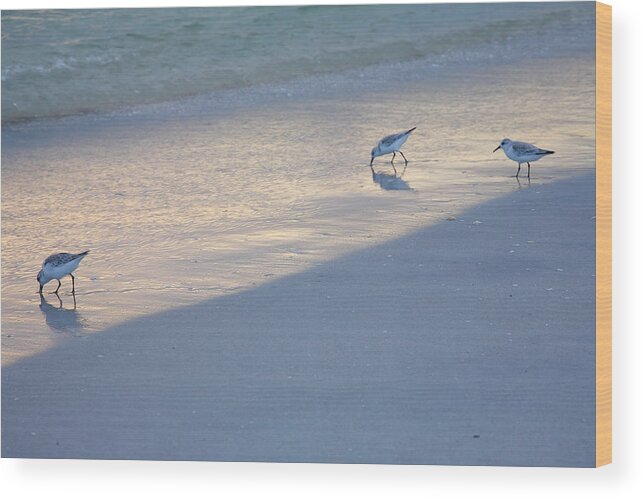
351 83
392 353
438 36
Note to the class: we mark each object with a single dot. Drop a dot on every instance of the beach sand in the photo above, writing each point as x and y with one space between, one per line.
468 341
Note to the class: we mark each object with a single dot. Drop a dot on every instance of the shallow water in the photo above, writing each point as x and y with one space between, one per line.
211 195
61 62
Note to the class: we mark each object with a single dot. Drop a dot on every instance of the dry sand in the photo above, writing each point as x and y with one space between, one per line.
467 342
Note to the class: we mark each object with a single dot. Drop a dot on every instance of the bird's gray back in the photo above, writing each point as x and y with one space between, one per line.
58 259
525 148
390 139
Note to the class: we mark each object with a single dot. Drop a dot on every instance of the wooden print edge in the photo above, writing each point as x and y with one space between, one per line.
603 234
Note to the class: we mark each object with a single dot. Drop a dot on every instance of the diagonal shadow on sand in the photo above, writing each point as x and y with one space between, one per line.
466 342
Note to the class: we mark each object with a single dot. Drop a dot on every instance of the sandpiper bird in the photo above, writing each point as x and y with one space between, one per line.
522 152
58 266
391 144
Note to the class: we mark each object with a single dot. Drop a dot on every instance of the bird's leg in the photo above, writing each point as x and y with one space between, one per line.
59 283
393 158
528 170
518 170
406 162
73 284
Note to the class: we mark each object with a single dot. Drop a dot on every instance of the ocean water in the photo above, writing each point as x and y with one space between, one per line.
63 62
202 152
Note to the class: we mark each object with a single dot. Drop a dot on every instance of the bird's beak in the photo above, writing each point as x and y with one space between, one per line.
40 290
372 158
496 148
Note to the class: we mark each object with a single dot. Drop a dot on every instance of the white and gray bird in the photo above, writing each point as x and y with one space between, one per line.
57 266
391 144
522 152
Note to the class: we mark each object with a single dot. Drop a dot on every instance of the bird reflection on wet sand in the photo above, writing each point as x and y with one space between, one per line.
60 319
520 184
391 182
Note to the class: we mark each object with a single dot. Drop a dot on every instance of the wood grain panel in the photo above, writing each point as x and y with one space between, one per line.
603 234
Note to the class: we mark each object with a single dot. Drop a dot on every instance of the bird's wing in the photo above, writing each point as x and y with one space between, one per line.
525 148
59 259
390 139
62 258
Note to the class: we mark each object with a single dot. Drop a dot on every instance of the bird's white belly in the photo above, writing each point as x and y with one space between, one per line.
394 147
523 158
62 270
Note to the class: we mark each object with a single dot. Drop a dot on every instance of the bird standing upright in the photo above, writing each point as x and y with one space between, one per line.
522 152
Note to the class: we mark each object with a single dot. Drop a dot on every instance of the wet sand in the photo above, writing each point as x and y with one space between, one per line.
469 341
205 198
